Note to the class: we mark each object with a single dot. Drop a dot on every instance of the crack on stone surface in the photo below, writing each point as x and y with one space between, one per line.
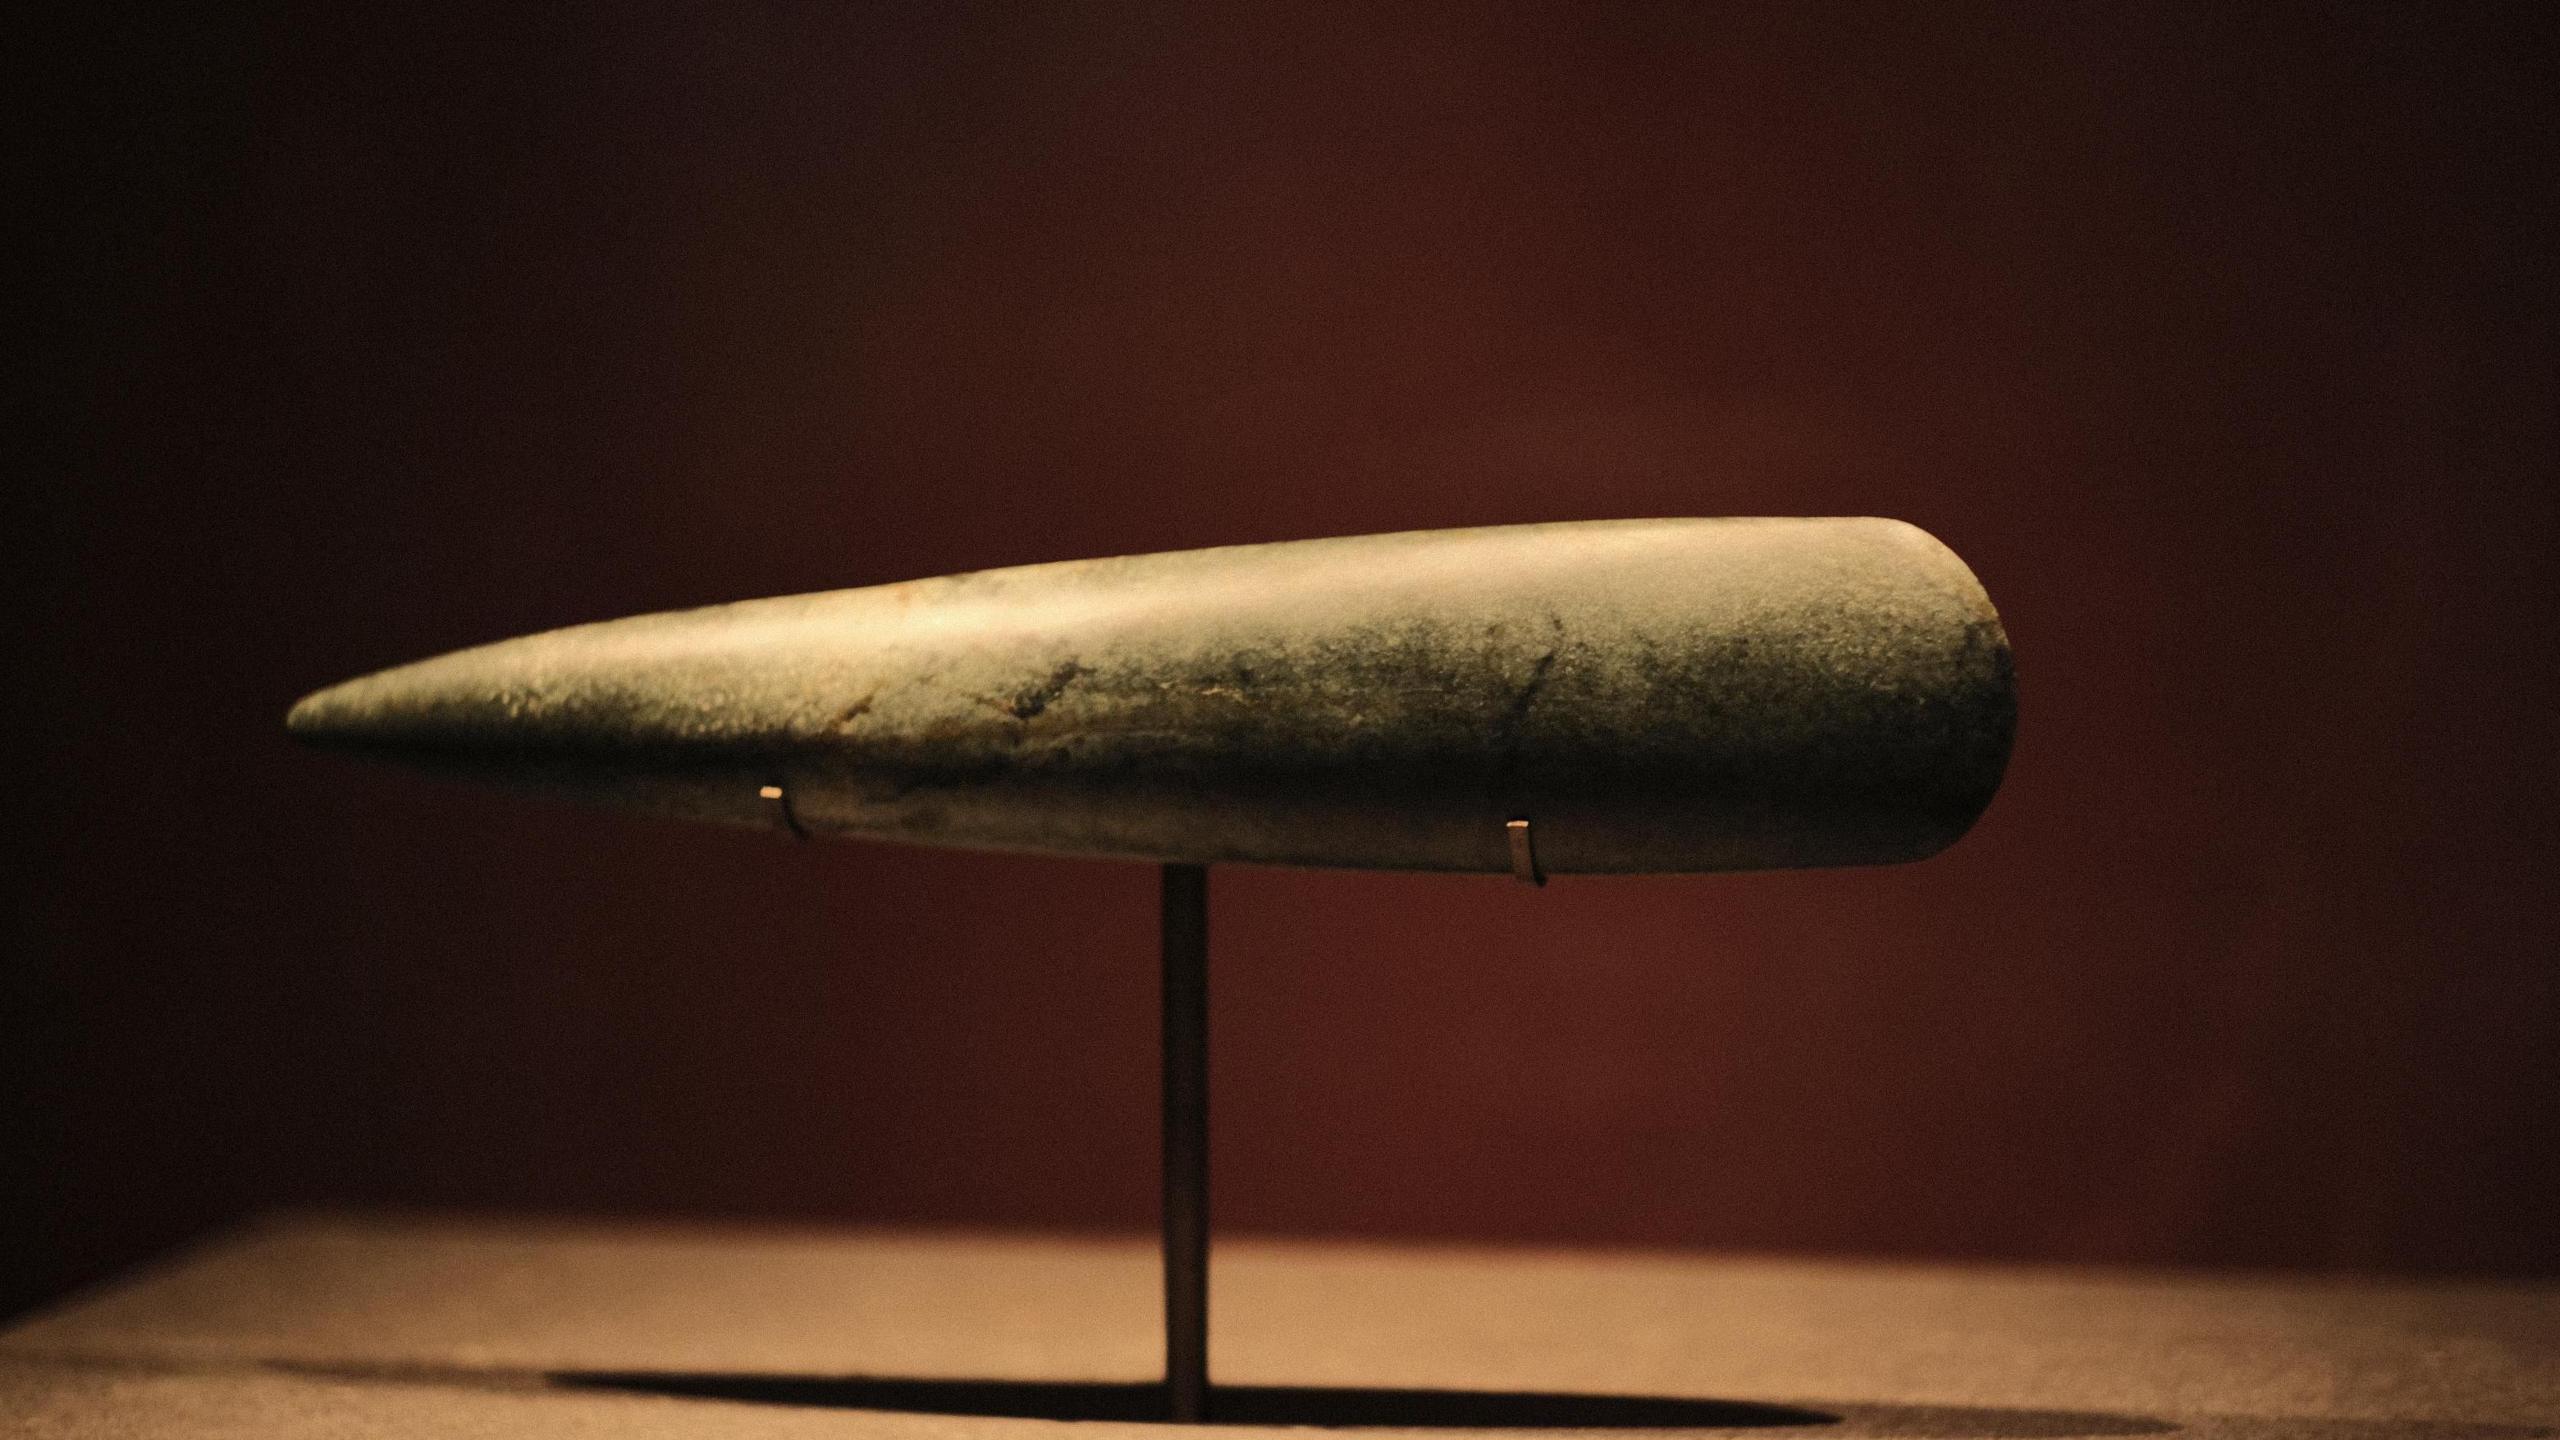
1504 778
1527 694
844 718
1028 702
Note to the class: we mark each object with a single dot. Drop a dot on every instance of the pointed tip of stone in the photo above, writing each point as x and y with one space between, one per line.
380 711
319 717
573 715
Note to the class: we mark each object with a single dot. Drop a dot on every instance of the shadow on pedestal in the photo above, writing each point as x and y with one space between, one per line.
1358 1408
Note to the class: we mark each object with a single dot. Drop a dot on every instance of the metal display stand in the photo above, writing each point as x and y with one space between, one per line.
1185 1092
1186 1142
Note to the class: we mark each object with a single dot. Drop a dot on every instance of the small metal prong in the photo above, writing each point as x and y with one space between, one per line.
1524 854
779 800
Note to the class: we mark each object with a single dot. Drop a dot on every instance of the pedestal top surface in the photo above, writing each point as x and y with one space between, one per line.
337 1325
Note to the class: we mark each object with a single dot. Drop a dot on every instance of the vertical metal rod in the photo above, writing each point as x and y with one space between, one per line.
1186 1142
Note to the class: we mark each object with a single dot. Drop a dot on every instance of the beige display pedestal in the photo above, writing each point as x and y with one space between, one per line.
383 1327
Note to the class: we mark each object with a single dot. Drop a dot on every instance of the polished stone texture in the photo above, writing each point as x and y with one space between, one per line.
1653 695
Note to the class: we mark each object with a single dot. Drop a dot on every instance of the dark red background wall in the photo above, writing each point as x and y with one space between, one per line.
2219 344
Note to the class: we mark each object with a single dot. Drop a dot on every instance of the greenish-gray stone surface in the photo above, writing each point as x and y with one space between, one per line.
1653 695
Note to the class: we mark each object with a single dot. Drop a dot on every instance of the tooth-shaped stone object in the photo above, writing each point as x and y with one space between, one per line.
1651 695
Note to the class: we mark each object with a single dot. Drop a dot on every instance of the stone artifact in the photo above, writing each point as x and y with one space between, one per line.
1646 695
1625 695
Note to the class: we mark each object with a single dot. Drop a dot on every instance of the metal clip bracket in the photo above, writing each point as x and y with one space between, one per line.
1524 854
778 801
